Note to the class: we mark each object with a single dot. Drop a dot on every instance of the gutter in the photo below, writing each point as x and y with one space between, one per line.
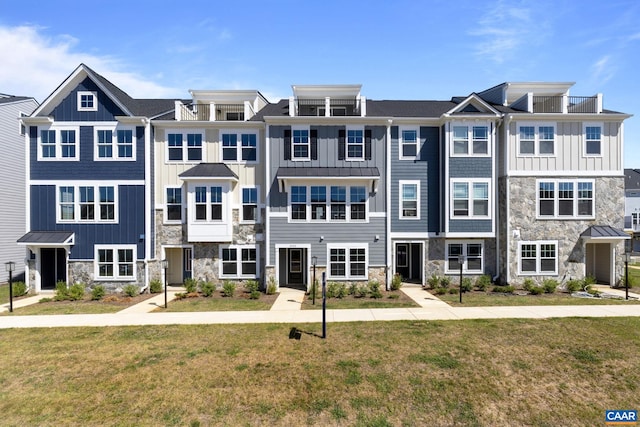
388 207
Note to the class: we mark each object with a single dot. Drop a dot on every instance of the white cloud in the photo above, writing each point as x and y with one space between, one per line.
34 64
602 70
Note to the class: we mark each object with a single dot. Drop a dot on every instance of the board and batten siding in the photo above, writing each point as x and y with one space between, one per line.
569 148
12 174
67 110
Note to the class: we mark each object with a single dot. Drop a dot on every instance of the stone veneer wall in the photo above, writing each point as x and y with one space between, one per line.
609 203
435 261
83 272
375 273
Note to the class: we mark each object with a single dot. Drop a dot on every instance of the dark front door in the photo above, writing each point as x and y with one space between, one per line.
409 261
53 267
402 260
186 262
296 267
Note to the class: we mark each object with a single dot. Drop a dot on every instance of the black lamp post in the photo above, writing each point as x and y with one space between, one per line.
314 260
627 258
461 261
10 266
165 264
324 304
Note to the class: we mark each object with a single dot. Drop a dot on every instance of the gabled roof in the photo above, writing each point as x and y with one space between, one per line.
209 171
473 104
129 105
632 179
8 99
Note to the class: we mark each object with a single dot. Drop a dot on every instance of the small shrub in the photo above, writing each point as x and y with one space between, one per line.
190 285
130 290
62 292
155 286
394 296
341 291
361 291
374 290
207 288
483 282
453 291
97 293
433 281
255 294
467 284
535 290
573 285
353 289
445 282
272 286
396 282
440 291
251 286
332 289
76 292
180 295
228 288
19 289
47 299
588 281
621 283
549 286
528 284
508 289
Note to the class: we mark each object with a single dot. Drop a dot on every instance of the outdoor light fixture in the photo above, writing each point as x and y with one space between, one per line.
165 264
461 261
314 261
10 266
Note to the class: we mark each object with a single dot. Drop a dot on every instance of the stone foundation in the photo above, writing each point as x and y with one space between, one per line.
83 272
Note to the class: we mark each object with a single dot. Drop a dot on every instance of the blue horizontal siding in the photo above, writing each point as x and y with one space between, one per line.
470 167
131 216
470 226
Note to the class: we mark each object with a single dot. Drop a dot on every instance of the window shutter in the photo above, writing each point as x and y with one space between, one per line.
422 153
367 144
314 144
341 143
287 144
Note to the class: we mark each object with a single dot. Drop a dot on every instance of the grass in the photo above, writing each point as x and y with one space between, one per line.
217 302
491 299
465 373
390 299
110 304
4 294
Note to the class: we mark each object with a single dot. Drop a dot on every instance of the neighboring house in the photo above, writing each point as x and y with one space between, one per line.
561 184
89 170
12 173
209 188
632 206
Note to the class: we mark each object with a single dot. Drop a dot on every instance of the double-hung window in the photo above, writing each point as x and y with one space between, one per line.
208 203
300 144
249 147
536 140
229 147
174 204
355 144
194 147
338 202
104 141
470 140
48 143
239 261
409 200
117 262
184 147
125 143
319 203
68 143
239 147
114 143
250 204
565 199
538 257
58 144
592 140
469 254
347 261
86 203
358 202
470 199
174 143
408 144
298 202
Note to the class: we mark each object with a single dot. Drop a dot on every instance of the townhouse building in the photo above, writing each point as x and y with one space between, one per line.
12 165
632 207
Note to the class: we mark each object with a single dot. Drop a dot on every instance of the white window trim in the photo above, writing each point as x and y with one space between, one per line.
239 274
258 217
537 243
401 129
114 144
470 182
165 206
301 159
95 100
465 265
58 131
585 125
348 247
556 195
225 203
239 133
116 276
346 144
470 139
536 138
401 183
185 146
76 204
347 185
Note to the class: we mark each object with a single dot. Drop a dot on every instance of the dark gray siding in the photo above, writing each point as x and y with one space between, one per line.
471 167
426 170
131 220
67 110
470 226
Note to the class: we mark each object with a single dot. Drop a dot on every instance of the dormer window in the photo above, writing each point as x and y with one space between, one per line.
87 101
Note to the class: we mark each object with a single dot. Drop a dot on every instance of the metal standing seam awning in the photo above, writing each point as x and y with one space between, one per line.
287 174
53 239
208 171
603 234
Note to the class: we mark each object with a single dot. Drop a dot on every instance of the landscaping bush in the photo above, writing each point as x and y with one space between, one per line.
508 289
353 289
207 288
549 285
467 284
535 290
19 289
361 291
252 286
588 281
272 286
228 288
483 282
528 284
255 294
130 290
190 285
453 291
97 293
76 292
396 282
155 286
440 291
573 285
374 289
445 282
433 281
62 292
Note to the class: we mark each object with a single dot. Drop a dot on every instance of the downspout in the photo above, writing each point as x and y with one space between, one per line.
149 210
507 192
388 204
27 206
497 199
267 210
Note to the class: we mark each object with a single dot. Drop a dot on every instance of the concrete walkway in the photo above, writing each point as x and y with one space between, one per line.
287 309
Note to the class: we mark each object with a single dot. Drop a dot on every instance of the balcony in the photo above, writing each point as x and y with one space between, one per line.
560 104
328 107
213 112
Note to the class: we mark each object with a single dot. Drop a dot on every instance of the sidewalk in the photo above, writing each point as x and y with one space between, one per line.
287 309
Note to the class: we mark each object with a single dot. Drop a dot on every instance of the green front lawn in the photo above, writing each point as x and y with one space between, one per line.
388 299
239 302
109 304
480 299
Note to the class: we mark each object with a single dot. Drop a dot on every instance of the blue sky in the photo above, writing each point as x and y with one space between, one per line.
396 50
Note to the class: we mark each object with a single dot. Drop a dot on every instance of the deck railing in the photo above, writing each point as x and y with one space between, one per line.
566 104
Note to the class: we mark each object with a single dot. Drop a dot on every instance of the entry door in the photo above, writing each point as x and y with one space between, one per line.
402 260
53 267
187 272
296 266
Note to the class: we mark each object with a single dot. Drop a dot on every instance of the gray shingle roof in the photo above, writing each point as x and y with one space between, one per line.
632 179
46 237
10 98
306 172
209 170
